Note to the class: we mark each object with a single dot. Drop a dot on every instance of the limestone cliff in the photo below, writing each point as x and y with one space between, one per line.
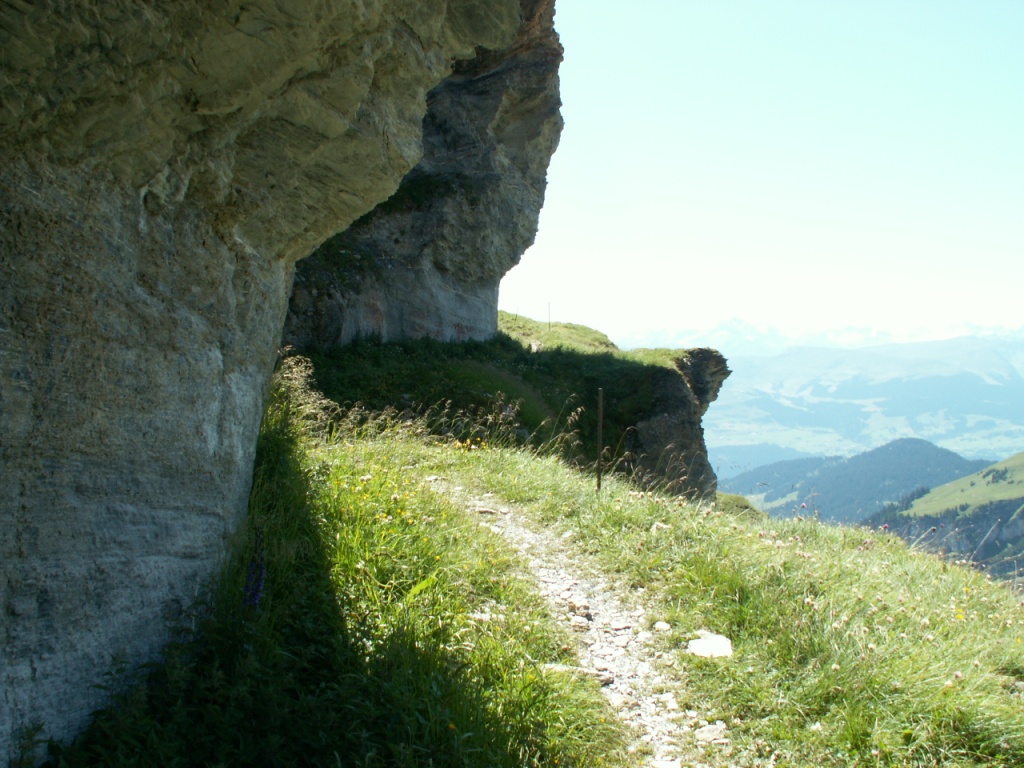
669 443
162 167
427 262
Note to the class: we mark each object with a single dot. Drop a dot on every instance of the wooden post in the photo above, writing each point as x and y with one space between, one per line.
600 430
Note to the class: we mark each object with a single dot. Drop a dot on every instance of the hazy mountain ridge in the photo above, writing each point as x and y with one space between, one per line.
847 490
965 395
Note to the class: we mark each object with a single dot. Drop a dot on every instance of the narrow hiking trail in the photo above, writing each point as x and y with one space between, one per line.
616 642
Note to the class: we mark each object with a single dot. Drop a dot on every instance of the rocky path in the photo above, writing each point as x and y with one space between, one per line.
617 644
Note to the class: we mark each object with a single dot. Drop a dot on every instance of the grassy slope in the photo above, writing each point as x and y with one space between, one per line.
552 372
1000 482
390 629
852 489
850 648
578 338
976 517
368 646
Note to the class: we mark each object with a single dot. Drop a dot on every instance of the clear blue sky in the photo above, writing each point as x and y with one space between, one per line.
809 167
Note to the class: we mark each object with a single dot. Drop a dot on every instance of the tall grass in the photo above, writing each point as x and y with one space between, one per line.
379 625
364 621
851 648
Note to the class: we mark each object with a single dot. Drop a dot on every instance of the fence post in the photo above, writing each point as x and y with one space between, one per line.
600 430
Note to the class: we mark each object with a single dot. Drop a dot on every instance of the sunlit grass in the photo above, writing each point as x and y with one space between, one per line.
850 647
391 628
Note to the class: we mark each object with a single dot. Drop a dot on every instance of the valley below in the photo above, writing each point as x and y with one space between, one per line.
965 395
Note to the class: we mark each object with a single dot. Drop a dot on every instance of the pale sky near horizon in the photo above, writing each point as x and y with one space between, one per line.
807 167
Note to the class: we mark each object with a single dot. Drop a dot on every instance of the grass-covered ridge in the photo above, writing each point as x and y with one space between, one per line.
368 644
1003 481
550 372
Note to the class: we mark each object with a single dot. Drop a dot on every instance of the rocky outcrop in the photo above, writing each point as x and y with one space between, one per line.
162 167
427 262
669 444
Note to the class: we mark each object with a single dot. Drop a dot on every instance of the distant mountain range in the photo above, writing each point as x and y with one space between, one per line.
979 518
847 490
965 395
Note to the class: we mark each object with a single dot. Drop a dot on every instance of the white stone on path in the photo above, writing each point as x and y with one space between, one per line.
710 733
709 645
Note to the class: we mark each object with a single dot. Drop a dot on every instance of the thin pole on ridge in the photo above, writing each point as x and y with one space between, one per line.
600 430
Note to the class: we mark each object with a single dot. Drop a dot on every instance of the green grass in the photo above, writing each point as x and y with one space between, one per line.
851 648
542 335
392 630
974 518
1000 482
552 384
370 646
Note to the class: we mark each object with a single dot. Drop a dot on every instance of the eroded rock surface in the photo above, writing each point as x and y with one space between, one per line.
162 167
427 262
670 443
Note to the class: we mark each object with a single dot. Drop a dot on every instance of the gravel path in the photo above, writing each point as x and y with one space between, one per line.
616 642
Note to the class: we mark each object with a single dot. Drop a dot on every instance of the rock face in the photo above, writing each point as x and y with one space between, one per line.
162 167
427 262
670 444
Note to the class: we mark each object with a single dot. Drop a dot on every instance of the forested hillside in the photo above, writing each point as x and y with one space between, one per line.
849 490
